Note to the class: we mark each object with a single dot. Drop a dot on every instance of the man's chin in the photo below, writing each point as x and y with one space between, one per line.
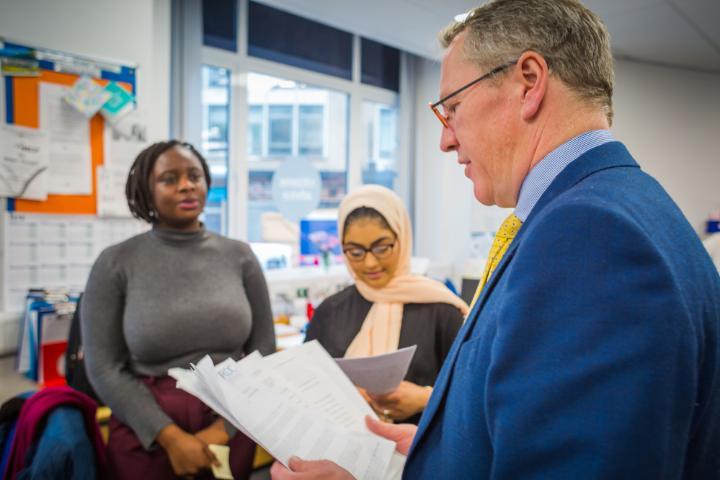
484 197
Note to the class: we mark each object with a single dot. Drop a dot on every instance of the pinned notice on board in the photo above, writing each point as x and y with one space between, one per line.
111 192
120 103
124 140
19 67
18 62
86 96
70 170
24 161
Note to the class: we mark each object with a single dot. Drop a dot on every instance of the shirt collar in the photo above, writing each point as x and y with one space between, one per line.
543 174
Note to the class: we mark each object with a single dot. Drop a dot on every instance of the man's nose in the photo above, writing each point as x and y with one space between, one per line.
448 141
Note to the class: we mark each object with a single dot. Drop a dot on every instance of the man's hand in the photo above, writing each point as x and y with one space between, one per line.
404 402
309 469
299 469
402 434
188 454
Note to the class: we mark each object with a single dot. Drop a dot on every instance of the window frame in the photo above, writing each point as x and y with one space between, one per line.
240 64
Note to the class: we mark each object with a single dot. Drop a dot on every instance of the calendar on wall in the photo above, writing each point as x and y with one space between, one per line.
55 251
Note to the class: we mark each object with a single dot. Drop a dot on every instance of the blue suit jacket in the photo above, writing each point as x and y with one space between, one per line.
593 351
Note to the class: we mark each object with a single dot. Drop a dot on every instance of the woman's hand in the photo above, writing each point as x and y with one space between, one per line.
404 402
215 434
187 453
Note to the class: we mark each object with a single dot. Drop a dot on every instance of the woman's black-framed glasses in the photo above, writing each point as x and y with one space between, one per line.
444 118
356 253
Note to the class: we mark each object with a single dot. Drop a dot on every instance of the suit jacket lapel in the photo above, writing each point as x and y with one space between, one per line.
443 380
609 155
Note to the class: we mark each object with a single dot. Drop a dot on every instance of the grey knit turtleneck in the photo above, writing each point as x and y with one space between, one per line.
164 299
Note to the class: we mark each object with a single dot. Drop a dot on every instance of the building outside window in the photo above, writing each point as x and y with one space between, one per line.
298 120
280 128
215 144
290 101
311 130
255 130
380 166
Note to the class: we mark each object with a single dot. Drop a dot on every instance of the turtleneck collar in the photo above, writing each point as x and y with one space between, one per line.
177 237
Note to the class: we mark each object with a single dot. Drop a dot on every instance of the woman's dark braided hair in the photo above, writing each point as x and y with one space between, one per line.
137 188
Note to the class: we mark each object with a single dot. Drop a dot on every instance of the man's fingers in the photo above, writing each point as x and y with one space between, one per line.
279 472
295 463
386 430
299 465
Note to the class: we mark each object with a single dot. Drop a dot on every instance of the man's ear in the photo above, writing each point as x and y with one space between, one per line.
534 73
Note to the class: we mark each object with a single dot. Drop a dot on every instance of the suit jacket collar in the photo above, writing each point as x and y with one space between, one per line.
608 155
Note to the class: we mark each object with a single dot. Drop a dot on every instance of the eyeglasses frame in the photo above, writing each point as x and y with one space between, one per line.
434 106
368 250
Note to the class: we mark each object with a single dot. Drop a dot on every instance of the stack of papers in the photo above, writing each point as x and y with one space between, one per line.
293 403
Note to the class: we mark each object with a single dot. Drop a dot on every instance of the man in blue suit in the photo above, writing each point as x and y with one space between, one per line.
592 351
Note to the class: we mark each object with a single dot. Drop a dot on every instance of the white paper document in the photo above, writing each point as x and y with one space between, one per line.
378 374
111 200
24 160
124 140
70 170
293 403
222 453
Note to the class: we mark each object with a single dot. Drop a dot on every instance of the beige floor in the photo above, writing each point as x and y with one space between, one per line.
11 382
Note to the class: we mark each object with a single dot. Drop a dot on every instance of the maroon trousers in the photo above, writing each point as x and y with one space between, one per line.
127 459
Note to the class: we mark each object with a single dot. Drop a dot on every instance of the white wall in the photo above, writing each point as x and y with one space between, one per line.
131 31
668 118
670 121
443 196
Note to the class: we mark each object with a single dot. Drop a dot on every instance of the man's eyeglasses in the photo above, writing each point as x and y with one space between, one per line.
357 253
444 118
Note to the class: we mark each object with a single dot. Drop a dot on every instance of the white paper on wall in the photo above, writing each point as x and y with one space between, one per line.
24 161
125 140
54 251
70 171
111 200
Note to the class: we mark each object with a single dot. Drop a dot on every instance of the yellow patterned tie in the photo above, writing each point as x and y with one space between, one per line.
503 239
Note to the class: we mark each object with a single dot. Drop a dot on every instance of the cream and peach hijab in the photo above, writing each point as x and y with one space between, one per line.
380 332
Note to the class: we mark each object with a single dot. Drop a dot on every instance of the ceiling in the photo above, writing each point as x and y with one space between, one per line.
676 33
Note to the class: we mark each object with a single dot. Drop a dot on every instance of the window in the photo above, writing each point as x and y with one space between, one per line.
387 143
216 119
220 24
255 130
280 129
380 165
286 38
217 123
380 65
217 78
300 121
311 130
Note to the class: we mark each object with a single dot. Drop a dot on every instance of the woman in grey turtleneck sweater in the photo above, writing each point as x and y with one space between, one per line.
164 299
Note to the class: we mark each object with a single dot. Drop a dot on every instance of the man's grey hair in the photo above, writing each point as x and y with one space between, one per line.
573 40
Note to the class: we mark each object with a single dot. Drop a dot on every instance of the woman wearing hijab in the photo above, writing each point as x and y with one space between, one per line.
388 307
